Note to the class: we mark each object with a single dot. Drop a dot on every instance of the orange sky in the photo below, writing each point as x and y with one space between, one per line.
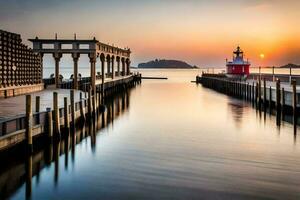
201 32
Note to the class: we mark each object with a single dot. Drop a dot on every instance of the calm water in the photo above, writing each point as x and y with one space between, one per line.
167 139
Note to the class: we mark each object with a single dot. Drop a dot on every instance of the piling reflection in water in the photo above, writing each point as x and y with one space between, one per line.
51 151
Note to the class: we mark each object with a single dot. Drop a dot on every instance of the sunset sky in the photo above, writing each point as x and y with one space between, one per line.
201 32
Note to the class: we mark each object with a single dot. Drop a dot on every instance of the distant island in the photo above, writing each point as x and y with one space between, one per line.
167 64
290 65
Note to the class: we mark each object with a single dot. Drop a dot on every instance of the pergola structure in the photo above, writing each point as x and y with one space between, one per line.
93 48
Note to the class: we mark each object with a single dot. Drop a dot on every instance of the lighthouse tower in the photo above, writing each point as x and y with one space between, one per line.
238 67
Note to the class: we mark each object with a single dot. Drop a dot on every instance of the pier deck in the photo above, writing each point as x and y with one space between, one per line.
14 106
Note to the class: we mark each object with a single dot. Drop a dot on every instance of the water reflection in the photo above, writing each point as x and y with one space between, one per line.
177 141
236 109
30 165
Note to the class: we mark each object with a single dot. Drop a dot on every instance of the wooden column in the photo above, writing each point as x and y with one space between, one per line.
92 57
127 67
75 57
102 59
123 67
57 57
118 65
108 65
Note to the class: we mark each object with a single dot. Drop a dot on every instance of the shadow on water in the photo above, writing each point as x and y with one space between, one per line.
18 168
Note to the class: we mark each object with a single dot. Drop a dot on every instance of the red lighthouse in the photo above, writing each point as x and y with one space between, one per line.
238 67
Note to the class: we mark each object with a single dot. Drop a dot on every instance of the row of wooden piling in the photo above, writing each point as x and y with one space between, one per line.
256 93
94 102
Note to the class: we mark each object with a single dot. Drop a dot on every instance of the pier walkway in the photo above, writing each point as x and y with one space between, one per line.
15 106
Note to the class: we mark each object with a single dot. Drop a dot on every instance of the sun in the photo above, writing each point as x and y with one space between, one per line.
262 56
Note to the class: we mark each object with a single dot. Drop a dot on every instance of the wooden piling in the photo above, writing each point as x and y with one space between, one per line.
278 109
49 123
265 94
282 102
253 93
81 107
29 123
56 115
66 115
37 103
73 114
294 104
37 107
89 103
270 100
256 94
259 93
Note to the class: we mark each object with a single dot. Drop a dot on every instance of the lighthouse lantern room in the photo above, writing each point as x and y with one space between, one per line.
238 67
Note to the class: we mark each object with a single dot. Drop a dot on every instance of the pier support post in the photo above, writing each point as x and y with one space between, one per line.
72 107
37 104
82 110
37 107
256 94
265 94
282 102
259 93
273 74
66 115
270 100
294 105
278 106
290 77
253 93
56 115
49 123
29 123
90 103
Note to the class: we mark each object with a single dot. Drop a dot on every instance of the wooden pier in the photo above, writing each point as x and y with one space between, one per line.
55 115
267 96
54 121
